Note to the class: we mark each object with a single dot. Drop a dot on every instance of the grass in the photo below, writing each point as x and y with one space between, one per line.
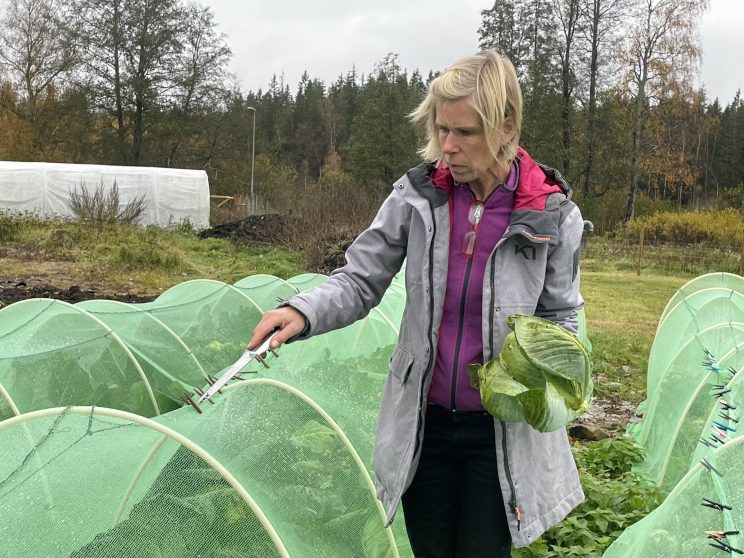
622 312
128 258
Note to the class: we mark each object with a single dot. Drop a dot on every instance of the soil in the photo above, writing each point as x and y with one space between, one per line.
268 228
16 289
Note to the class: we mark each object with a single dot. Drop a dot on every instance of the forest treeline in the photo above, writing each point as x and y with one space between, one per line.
609 96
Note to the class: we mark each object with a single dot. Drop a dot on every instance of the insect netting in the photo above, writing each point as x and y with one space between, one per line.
690 429
694 363
701 517
102 456
279 465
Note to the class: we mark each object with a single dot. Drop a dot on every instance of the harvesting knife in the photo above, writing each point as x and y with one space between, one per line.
241 363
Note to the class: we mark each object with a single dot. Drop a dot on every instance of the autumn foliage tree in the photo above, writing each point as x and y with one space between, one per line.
661 52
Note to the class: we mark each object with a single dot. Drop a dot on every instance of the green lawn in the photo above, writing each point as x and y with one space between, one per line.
622 311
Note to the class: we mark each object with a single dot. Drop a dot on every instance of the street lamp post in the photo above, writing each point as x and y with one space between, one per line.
253 158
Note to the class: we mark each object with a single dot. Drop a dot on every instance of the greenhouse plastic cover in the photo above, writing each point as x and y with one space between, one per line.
691 430
103 457
172 195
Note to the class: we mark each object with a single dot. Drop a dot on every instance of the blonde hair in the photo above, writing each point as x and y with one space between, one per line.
488 82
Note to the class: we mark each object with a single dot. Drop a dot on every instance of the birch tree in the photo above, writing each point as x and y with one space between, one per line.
36 53
662 48
600 20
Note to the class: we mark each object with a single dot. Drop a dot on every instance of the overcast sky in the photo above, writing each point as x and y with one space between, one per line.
328 37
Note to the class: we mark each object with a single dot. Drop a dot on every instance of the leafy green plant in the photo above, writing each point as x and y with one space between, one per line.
615 499
609 458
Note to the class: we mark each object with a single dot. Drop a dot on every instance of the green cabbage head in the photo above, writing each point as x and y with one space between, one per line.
542 376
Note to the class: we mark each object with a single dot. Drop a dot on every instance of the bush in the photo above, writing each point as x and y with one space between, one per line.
646 205
615 499
324 217
731 198
103 206
723 228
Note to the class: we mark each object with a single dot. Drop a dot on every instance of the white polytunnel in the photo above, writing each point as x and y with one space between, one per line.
172 196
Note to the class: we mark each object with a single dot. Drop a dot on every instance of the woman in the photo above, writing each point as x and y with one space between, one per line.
486 232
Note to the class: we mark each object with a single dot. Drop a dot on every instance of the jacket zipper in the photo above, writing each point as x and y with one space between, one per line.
491 309
504 446
455 361
463 302
513 500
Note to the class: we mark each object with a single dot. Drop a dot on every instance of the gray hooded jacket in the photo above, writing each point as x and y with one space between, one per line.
532 270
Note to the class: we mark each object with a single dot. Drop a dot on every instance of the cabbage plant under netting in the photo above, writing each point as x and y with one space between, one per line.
701 518
212 318
54 353
262 472
694 361
281 464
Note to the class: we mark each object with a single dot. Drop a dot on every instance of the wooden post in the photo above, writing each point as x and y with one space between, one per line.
640 251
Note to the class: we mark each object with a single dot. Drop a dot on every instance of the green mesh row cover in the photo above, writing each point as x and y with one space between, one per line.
52 352
262 472
265 290
706 324
212 319
707 281
307 464
678 527
691 315
279 465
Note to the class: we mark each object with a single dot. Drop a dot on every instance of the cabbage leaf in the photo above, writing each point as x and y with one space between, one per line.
542 375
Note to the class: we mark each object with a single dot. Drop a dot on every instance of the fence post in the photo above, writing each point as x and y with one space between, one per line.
640 251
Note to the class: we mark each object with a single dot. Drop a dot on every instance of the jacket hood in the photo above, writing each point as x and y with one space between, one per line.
536 181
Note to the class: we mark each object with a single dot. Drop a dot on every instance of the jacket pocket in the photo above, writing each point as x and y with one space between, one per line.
401 364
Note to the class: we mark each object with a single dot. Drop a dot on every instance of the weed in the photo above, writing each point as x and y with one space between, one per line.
8 228
145 257
615 499
103 207
13 226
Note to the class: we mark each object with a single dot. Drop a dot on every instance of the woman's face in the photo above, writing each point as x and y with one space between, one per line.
464 146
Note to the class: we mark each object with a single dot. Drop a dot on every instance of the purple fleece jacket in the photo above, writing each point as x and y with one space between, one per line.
460 332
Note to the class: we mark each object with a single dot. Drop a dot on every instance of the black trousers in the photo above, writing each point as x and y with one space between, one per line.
454 507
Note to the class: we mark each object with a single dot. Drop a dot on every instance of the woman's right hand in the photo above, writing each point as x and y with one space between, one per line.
286 319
